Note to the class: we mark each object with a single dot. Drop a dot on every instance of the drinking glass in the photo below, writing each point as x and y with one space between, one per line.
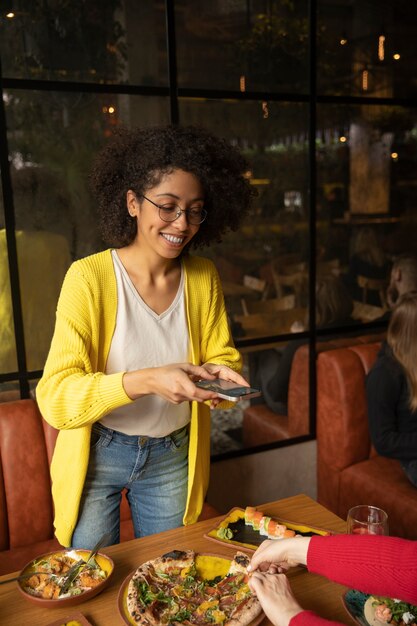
365 519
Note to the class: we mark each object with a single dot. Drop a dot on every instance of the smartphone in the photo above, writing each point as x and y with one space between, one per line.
228 390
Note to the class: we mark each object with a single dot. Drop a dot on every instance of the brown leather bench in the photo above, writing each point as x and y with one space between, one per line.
261 425
26 511
349 471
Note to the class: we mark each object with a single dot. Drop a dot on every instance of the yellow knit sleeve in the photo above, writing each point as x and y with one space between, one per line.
74 390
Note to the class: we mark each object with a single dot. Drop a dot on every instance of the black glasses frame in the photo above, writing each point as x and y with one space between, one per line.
190 219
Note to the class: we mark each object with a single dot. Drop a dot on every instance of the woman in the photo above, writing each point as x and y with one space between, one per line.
391 389
375 564
136 326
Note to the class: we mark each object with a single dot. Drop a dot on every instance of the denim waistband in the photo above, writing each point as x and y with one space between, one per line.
98 427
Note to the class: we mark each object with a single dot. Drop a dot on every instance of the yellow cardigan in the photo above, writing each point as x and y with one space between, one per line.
74 392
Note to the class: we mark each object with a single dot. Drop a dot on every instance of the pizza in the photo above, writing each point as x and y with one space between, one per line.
170 590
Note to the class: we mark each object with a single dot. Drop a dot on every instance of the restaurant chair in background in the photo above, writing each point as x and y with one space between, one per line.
373 284
292 279
331 266
259 286
268 306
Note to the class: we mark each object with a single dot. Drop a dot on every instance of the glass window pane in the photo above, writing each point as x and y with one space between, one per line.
263 265
53 138
367 48
282 412
8 358
367 197
239 45
119 41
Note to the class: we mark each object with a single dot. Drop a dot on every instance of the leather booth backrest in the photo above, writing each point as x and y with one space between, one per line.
342 423
25 486
298 389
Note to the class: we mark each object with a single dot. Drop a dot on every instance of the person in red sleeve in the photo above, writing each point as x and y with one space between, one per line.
375 564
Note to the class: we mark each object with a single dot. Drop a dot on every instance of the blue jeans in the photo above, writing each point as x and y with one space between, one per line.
154 472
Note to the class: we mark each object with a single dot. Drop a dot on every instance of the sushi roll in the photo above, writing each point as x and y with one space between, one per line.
249 513
263 526
275 530
257 517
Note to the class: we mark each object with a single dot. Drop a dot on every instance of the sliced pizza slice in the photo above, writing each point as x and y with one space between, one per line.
175 563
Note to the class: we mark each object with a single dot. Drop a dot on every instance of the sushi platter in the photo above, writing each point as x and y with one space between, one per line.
248 528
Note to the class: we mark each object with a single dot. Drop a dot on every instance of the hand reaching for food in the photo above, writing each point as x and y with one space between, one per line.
274 593
279 556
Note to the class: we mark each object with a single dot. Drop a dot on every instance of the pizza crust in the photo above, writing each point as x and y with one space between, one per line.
175 559
244 615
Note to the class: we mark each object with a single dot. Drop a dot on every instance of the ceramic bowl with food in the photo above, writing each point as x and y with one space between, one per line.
45 581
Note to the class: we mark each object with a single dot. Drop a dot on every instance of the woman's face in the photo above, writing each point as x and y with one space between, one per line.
167 239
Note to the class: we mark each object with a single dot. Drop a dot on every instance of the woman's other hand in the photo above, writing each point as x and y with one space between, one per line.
278 556
174 382
275 595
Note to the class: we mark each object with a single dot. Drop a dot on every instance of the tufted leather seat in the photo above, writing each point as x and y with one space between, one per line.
261 425
349 471
26 509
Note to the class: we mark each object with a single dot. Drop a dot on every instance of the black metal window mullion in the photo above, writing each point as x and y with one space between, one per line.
10 226
312 186
172 60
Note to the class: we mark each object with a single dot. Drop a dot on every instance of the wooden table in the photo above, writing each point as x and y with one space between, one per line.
266 324
312 591
366 312
231 289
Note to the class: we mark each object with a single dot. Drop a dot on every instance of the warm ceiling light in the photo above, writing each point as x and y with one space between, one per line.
365 80
394 156
396 56
381 47
10 15
112 110
343 41
343 139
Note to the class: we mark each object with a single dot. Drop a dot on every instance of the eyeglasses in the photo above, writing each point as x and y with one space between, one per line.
171 212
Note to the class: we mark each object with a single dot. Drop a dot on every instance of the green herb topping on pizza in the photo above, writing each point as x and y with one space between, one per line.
169 590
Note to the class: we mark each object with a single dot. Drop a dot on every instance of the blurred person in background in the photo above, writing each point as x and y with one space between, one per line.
391 389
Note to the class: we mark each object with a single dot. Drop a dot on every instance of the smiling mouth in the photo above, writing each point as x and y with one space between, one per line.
173 239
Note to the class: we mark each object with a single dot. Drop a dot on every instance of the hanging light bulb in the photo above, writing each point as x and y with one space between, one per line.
396 56
381 47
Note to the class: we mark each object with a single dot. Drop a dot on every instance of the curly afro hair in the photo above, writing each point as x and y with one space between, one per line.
137 159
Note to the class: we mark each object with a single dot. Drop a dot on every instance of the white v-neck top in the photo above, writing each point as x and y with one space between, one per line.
142 339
